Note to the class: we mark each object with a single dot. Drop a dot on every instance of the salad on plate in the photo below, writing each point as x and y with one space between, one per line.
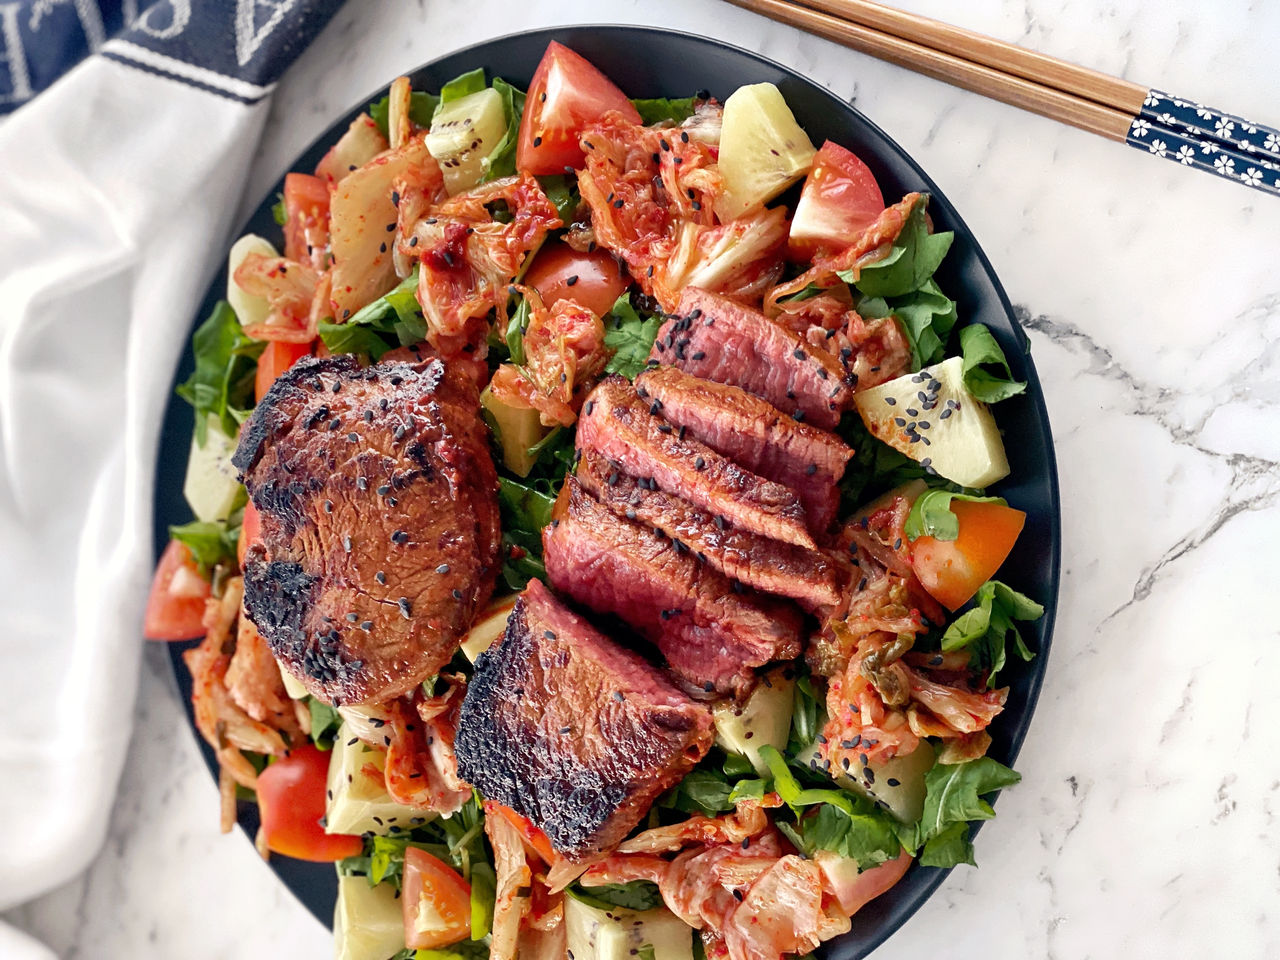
592 555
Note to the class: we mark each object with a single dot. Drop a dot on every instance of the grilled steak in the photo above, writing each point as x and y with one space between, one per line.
712 632
717 339
617 424
755 435
572 731
379 513
768 565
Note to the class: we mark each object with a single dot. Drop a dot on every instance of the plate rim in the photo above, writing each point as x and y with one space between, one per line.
247 813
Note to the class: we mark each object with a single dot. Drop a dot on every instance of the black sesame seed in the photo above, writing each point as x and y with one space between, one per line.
799 354
346 543
456 594
443 568
944 414
366 626
353 437
811 469
399 536
406 608
699 464
352 617
328 506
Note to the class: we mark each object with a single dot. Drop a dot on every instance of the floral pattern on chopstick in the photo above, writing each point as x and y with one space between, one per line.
1206 122
1162 132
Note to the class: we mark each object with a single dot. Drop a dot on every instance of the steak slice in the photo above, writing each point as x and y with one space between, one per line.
379 510
768 565
717 339
571 730
617 424
756 435
713 633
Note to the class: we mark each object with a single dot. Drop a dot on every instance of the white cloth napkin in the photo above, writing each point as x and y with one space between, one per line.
117 189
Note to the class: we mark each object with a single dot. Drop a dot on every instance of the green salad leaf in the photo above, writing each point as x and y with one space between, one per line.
394 319
484 887
325 721
985 370
630 337
916 254
703 790
636 895
221 385
984 628
953 798
422 107
844 823
660 110
501 161
562 190
463 86
278 212
210 543
931 514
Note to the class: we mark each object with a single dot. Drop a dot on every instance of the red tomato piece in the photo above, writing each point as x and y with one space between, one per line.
291 798
567 93
437 902
306 225
953 570
250 531
175 607
279 356
592 280
840 199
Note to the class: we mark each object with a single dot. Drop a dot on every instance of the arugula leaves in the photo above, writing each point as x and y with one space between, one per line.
660 109
210 543
984 628
325 721
953 798
630 336
463 86
916 254
221 384
902 285
636 895
845 823
525 511
985 370
562 190
516 328
395 314
422 107
931 514
501 161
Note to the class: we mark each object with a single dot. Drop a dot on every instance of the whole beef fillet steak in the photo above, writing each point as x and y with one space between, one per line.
379 510
573 731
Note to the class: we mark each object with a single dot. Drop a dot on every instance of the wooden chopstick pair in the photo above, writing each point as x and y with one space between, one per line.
1166 126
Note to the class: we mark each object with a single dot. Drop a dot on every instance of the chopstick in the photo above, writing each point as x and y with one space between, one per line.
1170 127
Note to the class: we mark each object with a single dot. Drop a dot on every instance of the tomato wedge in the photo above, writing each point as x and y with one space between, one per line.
437 902
953 570
291 798
250 530
306 225
567 93
840 199
279 356
592 280
175 607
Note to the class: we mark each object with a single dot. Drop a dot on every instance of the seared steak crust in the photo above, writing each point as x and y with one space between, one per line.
717 339
768 565
618 424
572 731
756 435
712 632
379 513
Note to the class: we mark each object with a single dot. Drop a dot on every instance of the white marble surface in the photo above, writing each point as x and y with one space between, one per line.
1146 823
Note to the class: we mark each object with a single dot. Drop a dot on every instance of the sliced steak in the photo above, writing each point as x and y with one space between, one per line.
571 730
714 633
380 530
754 434
617 424
768 565
717 339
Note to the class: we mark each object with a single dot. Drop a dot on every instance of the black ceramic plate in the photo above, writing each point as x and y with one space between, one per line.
647 62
